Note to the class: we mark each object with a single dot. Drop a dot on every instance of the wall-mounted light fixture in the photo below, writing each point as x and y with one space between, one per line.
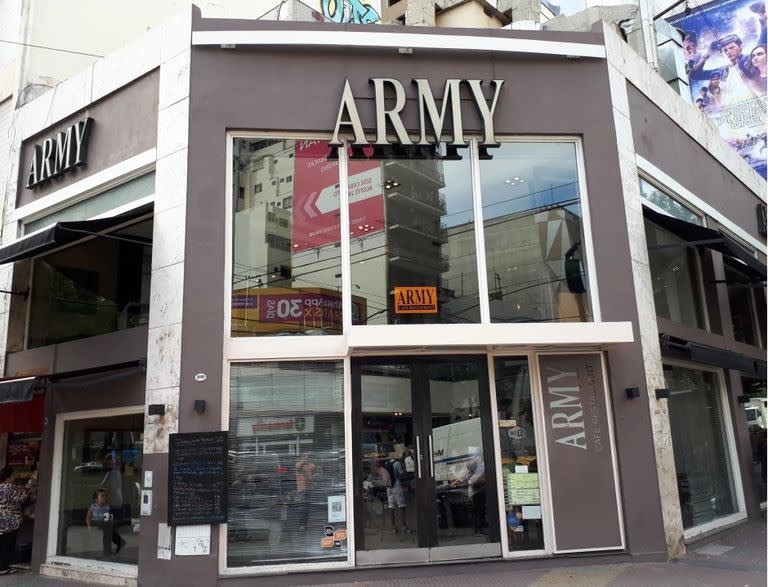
632 392
662 393
200 406
156 410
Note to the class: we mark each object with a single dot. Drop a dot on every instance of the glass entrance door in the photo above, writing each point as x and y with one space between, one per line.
424 477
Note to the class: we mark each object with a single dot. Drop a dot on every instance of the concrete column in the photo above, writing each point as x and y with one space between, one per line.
166 295
525 10
420 13
649 336
10 138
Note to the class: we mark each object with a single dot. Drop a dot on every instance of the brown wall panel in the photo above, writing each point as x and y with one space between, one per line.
298 91
124 124
672 150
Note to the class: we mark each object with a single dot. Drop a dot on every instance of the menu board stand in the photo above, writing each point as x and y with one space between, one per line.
197 478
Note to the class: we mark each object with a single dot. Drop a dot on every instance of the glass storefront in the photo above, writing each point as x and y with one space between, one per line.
287 463
426 478
756 413
519 462
702 460
424 470
412 236
100 488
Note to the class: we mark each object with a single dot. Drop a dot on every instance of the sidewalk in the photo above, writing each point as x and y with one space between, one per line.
732 558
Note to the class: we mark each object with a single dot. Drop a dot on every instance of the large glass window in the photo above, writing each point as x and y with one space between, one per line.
100 488
700 444
413 257
96 287
412 226
534 237
287 471
286 273
668 204
519 462
756 413
742 303
675 277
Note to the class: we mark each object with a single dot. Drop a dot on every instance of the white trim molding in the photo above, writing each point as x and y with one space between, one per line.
490 336
380 40
92 185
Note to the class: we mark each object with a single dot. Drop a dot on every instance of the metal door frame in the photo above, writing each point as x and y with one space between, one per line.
427 549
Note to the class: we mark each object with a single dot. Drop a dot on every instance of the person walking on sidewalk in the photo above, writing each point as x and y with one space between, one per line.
12 500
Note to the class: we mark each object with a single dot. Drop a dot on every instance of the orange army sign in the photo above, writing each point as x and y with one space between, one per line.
416 300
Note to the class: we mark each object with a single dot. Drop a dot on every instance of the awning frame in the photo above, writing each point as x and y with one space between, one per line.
22 387
66 233
701 236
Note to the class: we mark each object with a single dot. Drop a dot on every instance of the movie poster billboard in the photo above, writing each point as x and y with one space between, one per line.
316 220
725 57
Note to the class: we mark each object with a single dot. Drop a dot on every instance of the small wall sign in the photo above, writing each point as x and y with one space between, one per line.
416 300
59 155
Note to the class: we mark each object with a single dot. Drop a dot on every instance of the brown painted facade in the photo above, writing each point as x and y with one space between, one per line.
277 91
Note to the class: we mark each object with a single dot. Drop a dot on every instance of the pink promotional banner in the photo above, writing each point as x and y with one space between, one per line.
268 309
316 220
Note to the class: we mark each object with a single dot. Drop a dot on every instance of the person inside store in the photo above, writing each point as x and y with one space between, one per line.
306 471
12 500
100 515
474 477
120 508
397 492
377 486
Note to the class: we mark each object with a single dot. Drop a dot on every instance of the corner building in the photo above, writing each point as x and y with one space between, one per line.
538 340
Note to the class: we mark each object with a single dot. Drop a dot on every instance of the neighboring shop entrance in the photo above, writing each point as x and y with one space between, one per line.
424 475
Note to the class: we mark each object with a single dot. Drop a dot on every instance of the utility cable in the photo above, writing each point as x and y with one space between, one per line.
50 48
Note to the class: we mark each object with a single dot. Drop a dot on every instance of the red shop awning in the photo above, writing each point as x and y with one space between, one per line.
26 416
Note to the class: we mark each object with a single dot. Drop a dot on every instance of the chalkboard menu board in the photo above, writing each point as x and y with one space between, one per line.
197 478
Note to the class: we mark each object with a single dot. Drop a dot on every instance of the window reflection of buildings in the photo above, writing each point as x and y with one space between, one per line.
262 164
264 254
415 232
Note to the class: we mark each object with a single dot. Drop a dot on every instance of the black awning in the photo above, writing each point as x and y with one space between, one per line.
17 390
678 348
701 236
64 233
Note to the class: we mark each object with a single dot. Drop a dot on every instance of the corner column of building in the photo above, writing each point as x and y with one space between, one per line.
9 170
643 288
166 297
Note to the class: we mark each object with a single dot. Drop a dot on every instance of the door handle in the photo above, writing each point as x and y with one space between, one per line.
431 458
418 455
